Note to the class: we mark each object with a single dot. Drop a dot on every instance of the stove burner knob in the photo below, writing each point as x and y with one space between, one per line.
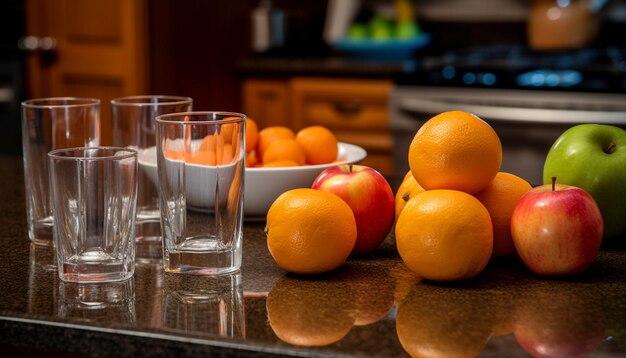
487 79
448 72
469 78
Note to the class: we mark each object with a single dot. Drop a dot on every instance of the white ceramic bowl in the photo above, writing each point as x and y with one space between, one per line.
262 185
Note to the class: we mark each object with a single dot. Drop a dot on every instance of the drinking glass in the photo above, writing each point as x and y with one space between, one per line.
47 124
200 163
94 197
133 126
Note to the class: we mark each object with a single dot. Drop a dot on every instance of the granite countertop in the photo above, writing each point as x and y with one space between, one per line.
372 306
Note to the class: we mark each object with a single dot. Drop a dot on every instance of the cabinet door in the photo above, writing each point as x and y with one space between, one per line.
266 101
99 50
357 111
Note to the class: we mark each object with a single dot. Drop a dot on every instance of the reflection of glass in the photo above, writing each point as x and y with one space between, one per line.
42 279
210 305
111 303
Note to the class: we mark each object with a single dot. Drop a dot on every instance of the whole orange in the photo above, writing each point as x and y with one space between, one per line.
455 150
407 189
252 134
281 163
500 198
268 135
319 144
283 149
444 235
310 231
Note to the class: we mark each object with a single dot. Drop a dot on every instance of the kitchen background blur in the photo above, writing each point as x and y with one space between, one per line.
372 71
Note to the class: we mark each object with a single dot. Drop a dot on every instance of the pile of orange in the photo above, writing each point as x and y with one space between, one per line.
453 207
279 146
274 146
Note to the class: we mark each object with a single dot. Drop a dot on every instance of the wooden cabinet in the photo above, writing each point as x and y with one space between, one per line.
356 110
98 50
267 102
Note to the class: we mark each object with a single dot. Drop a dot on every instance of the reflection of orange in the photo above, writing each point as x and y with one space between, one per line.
405 279
319 144
443 322
284 149
455 150
310 312
373 292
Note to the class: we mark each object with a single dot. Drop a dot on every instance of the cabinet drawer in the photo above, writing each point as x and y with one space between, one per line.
267 102
341 104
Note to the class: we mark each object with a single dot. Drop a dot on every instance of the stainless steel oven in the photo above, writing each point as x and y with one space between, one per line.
527 121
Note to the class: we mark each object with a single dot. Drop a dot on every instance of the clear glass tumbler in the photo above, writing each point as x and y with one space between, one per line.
133 126
47 124
94 197
200 157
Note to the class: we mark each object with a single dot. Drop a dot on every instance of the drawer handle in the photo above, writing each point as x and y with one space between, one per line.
348 108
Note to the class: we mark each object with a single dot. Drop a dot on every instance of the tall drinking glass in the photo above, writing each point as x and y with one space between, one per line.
200 163
47 124
133 122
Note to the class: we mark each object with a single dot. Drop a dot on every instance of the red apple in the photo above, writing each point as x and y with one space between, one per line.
369 195
557 229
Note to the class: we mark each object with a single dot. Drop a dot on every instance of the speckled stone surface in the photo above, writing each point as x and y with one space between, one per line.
372 306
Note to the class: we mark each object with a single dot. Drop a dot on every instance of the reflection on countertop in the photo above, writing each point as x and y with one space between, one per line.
372 306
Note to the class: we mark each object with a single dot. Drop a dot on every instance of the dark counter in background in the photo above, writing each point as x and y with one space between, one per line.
372 306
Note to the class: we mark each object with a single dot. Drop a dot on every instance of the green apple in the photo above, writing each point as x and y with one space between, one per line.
406 30
380 28
357 31
593 157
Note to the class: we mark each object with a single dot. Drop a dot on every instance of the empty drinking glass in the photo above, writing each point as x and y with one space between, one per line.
94 197
47 124
200 159
133 126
